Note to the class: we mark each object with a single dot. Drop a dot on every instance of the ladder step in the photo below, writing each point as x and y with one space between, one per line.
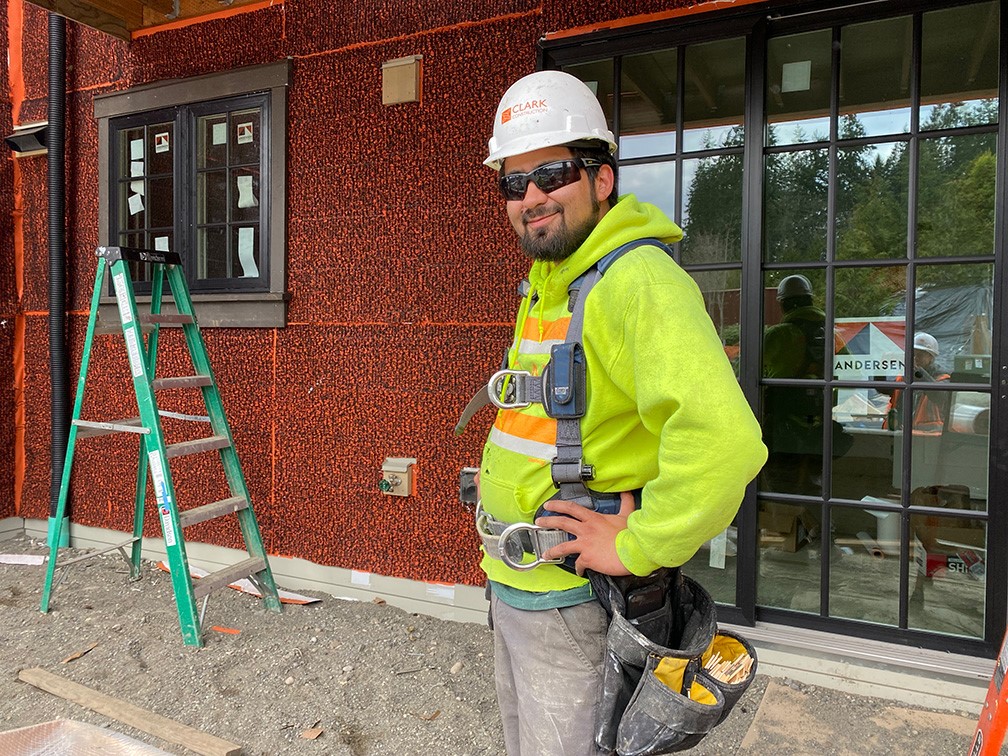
93 554
204 585
166 318
91 428
184 381
114 328
212 510
195 447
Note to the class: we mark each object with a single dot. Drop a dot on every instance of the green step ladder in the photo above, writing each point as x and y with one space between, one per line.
155 453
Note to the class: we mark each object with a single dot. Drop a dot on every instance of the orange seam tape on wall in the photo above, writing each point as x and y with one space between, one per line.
646 18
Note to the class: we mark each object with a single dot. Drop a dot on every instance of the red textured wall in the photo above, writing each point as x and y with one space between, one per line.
402 272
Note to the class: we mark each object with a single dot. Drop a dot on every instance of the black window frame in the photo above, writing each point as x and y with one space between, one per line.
757 27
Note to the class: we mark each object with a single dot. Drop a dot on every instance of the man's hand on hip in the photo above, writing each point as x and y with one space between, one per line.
594 535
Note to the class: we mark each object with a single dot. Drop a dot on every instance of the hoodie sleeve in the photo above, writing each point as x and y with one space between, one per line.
673 365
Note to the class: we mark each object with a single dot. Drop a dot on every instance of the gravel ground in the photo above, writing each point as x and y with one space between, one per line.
364 678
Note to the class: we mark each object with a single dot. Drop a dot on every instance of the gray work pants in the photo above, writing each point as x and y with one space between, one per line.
548 666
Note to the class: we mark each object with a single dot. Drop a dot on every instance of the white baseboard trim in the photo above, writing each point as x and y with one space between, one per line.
854 665
462 603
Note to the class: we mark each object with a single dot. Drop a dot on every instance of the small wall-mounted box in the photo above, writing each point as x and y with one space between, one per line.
397 476
402 80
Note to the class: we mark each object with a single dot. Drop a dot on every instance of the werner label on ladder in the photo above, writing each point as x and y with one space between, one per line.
154 451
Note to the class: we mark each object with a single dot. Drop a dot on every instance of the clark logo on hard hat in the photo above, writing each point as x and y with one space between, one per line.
546 109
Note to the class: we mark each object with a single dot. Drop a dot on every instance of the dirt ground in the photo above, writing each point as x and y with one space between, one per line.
362 678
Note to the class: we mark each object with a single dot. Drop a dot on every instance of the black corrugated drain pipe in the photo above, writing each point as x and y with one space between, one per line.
56 187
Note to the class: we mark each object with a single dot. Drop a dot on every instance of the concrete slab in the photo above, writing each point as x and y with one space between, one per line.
792 719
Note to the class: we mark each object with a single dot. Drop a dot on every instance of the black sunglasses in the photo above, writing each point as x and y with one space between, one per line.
548 177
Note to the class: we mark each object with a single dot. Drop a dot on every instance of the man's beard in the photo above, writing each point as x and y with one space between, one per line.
559 243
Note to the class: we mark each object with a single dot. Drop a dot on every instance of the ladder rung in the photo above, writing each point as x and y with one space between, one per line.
114 328
90 428
184 381
212 510
93 554
204 585
195 447
166 319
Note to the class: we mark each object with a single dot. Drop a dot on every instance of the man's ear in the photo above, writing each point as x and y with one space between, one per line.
604 182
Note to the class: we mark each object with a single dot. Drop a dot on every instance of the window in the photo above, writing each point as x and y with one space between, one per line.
199 167
851 158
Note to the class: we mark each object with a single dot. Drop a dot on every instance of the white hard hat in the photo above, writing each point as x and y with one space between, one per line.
794 286
546 109
926 343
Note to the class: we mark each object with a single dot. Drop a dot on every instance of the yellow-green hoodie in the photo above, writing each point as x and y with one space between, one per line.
664 409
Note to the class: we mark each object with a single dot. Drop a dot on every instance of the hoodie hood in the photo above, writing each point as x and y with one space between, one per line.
628 220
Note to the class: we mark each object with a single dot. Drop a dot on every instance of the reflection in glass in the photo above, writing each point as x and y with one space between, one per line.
721 293
875 63
712 209
211 253
871 206
793 432
160 202
212 131
959 66
654 183
955 196
714 565
865 462
714 96
794 343
598 75
789 557
948 570
648 101
211 197
794 226
798 88
865 564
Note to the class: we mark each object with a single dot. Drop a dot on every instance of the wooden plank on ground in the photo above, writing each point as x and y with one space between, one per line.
127 713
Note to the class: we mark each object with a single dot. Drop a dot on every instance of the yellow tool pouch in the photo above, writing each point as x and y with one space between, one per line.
670 675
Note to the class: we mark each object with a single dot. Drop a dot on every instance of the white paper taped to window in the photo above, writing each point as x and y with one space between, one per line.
218 133
137 187
161 243
246 252
136 168
161 142
245 196
244 133
136 204
136 149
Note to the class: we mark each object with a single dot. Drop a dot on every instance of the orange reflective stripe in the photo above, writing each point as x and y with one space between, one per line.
539 429
553 330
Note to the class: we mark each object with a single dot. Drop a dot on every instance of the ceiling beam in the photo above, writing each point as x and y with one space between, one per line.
92 14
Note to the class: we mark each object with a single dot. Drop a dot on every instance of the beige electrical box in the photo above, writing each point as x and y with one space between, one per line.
402 80
397 476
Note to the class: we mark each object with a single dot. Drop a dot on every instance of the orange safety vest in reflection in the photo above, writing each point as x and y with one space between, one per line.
927 416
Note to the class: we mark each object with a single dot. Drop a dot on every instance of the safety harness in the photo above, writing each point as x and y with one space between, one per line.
561 390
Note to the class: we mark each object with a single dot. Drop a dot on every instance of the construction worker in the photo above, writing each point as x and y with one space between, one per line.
792 416
663 412
928 413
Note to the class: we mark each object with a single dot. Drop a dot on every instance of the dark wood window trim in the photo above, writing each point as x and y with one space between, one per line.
266 309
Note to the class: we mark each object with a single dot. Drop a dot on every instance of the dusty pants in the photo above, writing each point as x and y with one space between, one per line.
548 666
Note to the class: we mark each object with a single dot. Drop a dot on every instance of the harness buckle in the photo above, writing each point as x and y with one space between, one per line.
512 550
516 394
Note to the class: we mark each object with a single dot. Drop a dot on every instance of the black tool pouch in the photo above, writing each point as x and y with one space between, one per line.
657 697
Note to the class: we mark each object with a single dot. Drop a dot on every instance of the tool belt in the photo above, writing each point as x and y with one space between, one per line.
670 676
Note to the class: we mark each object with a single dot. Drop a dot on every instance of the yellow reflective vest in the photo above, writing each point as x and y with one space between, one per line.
664 409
